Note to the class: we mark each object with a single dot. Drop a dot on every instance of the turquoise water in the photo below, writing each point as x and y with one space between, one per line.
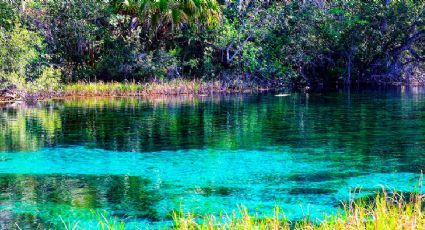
139 159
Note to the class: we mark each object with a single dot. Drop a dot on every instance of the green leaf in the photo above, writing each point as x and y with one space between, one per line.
163 5
337 10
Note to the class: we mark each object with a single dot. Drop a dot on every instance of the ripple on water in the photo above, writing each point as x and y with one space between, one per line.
140 159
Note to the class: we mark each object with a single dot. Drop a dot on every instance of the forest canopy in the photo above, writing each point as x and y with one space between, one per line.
44 43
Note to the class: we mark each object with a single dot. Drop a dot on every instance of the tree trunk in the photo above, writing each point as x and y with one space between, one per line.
349 64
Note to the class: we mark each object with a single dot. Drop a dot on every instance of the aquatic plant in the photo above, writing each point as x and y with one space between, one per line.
380 212
171 87
384 211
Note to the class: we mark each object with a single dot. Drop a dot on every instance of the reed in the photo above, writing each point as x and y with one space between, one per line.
172 87
124 89
102 89
381 212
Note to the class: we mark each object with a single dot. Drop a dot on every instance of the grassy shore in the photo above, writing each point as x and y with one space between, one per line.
381 212
172 87
116 89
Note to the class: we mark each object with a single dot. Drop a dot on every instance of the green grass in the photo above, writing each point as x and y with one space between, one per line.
102 89
117 89
382 212
173 87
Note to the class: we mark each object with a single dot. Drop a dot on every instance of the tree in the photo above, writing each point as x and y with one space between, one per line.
165 16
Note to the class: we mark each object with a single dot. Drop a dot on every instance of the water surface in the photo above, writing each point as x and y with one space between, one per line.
141 158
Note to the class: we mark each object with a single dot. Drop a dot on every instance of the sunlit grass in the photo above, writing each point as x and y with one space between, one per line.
117 89
381 212
172 87
384 212
102 89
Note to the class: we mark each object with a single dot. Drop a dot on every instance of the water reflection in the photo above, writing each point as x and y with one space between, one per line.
24 127
128 124
141 158
42 199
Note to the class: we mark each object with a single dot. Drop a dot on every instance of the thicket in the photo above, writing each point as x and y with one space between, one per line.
270 43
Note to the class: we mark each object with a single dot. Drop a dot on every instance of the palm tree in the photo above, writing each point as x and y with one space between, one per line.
169 15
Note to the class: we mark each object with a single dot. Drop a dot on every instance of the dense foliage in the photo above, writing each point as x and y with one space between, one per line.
271 43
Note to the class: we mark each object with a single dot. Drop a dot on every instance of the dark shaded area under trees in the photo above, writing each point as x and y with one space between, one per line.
44 44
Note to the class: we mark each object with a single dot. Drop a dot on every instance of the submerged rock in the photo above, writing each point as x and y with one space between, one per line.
218 191
315 191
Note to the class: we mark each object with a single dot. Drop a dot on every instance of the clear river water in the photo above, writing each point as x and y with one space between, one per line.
141 158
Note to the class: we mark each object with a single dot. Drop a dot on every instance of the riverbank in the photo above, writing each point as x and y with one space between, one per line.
174 87
119 89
